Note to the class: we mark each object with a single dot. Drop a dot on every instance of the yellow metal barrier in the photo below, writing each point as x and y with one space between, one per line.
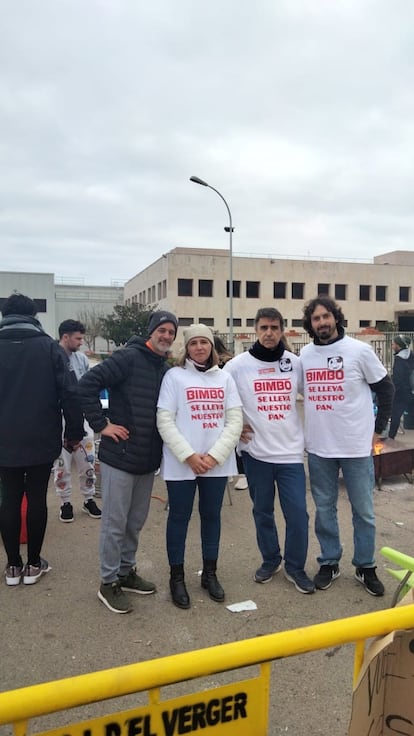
17 706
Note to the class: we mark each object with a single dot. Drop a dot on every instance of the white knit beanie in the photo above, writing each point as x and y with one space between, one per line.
198 330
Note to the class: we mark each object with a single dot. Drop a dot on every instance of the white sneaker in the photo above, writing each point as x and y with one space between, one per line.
241 484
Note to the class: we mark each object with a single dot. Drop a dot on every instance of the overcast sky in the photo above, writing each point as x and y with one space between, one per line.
300 112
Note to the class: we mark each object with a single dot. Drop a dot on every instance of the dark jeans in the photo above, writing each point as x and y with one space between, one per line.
291 485
400 404
33 481
181 499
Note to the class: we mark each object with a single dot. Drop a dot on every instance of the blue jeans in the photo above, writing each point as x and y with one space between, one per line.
291 486
181 495
358 474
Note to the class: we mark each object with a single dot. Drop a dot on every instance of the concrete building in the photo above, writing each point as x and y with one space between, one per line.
57 302
194 284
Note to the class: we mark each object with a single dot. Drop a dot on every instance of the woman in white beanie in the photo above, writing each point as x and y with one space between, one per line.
200 420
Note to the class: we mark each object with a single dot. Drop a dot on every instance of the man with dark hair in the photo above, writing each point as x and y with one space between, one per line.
70 340
402 375
35 386
268 378
340 374
129 451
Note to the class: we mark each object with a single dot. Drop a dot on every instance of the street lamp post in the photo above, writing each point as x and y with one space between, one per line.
228 230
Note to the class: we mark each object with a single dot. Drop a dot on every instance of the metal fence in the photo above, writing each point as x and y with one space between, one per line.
243 705
381 344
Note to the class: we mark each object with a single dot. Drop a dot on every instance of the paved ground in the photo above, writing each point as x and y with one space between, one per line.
58 628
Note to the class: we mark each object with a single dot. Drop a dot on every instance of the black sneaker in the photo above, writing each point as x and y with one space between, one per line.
264 574
301 581
66 513
90 507
114 597
326 575
368 578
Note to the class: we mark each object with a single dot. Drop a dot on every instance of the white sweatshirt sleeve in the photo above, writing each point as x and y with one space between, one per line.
172 436
230 435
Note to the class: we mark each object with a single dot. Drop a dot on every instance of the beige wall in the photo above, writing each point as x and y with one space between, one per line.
193 263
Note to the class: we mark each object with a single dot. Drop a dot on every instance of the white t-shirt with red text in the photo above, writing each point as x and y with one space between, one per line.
268 391
339 414
199 402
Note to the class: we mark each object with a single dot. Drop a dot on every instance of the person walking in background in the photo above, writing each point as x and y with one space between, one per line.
35 387
224 356
70 339
402 376
340 374
199 418
268 378
129 452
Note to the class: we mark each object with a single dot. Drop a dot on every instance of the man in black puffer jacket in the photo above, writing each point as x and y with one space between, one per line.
129 452
35 386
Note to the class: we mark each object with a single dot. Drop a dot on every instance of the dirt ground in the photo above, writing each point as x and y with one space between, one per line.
58 628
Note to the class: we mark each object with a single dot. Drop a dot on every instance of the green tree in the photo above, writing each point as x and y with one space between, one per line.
127 321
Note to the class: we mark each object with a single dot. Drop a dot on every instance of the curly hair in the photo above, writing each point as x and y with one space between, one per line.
323 301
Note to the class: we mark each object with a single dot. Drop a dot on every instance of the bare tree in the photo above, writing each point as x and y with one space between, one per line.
92 319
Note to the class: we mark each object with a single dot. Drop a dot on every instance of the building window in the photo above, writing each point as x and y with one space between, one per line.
340 292
381 324
159 291
323 289
250 322
164 289
205 287
236 289
153 293
279 290
297 323
365 323
252 289
381 293
236 322
209 321
298 290
185 287
185 321
404 294
364 293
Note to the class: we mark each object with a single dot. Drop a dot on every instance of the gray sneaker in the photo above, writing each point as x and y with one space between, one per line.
135 584
33 573
114 598
13 574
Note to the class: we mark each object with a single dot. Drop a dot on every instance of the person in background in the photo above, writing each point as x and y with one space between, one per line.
340 374
129 452
70 340
401 377
35 387
224 356
268 378
199 418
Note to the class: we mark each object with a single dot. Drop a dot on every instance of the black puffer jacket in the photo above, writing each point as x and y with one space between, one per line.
35 386
133 377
